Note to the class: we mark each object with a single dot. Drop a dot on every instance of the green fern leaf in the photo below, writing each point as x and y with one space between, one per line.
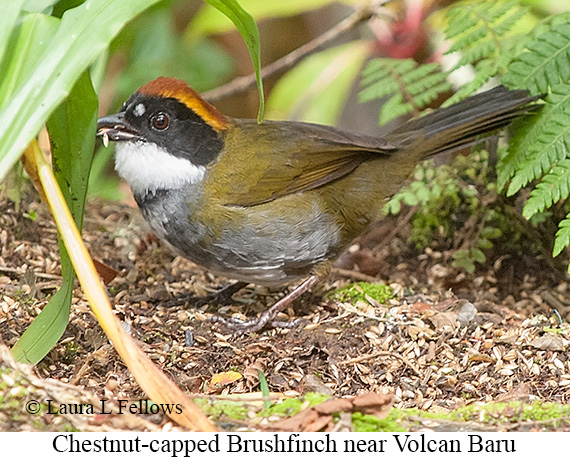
554 187
546 63
562 239
543 142
393 108
477 53
484 35
409 86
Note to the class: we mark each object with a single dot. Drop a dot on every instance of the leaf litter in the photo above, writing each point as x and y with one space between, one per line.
444 341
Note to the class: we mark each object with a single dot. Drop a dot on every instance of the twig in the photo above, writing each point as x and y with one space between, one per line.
14 273
363 358
554 302
243 83
239 398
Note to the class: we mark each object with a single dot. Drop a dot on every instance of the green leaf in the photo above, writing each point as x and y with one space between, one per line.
562 239
39 6
248 30
411 87
478 255
546 63
8 19
264 387
539 142
28 43
72 134
84 32
487 36
484 243
461 259
554 187
47 328
491 232
316 89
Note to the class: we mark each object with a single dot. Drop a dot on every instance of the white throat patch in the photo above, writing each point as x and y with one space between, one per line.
148 168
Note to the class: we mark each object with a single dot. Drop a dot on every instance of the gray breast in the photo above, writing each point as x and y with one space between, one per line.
263 248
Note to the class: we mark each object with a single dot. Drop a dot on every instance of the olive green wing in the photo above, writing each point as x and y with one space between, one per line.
263 162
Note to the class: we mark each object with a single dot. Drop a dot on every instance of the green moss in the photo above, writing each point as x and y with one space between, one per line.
291 406
515 411
368 423
492 414
539 411
217 408
314 398
360 290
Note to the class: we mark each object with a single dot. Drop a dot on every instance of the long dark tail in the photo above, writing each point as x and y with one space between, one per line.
462 124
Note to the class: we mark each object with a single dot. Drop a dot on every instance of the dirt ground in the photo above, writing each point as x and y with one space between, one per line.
446 339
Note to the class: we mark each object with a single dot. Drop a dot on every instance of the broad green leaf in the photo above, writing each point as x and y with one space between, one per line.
248 30
207 21
46 329
84 33
98 69
317 88
72 135
27 45
8 19
39 6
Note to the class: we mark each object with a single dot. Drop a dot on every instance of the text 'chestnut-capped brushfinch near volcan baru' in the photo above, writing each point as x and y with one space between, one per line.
278 201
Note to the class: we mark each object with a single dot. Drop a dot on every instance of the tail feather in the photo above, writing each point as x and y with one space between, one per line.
462 124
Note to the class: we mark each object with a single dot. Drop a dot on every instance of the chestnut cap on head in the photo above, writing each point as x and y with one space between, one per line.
170 114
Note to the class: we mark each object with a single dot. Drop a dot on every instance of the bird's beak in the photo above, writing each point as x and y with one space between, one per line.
115 128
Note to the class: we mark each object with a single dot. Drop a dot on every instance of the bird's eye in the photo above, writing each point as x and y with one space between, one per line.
160 121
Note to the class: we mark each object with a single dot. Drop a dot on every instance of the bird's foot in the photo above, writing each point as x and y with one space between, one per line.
267 318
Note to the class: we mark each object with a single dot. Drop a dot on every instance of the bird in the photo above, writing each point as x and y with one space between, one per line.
275 202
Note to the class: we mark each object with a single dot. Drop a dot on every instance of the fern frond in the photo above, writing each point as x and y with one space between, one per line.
543 142
410 86
477 30
562 236
554 187
484 35
546 63
542 149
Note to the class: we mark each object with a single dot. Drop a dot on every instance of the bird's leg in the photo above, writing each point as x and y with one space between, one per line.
239 327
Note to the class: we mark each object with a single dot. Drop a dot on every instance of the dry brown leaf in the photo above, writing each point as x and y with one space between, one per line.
251 373
376 404
548 342
312 383
226 377
440 320
106 272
